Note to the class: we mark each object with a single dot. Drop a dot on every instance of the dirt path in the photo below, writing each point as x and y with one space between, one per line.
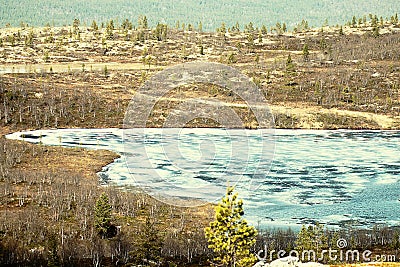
72 67
308 116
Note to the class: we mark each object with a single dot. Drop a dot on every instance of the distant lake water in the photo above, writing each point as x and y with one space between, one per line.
286 177
210 13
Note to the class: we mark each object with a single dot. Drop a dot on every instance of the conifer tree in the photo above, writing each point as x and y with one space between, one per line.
160 32
375 31
105 71
231 58
126 25
264 29
102 215
75 25
222 29
201 49
278 28
304 239
237 26
94 25
395 244
311 238
320 240
229 235
306 52
29 39
149 243
354 21
341 30
143 24
284 27
53 256
250 40
290 67
110 29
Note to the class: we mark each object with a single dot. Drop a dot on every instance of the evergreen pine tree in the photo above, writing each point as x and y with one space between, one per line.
395 244
341 30
201 49
303 241
250 40
354 21
375 31
94 25
143 24
75 25
310 242
284 27
53 257
278 28
222 29
320 240
264 29
102 215
110 30
306 52
149 244
105 71
231 58
290 67
237 26
229 235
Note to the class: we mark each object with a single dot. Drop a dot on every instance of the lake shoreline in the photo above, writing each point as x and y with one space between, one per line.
344 172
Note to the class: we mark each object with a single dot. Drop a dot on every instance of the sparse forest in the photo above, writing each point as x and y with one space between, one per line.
326 78
53 211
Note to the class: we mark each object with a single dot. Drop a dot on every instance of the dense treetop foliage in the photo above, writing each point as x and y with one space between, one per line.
229 235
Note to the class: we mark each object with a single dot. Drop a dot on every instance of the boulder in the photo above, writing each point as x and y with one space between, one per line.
288 262
281 262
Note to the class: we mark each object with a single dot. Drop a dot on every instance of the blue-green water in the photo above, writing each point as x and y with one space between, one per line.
286 177
210 12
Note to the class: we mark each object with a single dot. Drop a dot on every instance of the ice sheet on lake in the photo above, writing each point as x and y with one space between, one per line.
298 176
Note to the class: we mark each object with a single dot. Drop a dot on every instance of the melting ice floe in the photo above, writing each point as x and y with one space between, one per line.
314 175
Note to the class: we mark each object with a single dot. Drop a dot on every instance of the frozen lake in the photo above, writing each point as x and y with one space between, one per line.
286 177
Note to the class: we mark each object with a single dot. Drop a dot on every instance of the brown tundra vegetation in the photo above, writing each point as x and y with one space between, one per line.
59 77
